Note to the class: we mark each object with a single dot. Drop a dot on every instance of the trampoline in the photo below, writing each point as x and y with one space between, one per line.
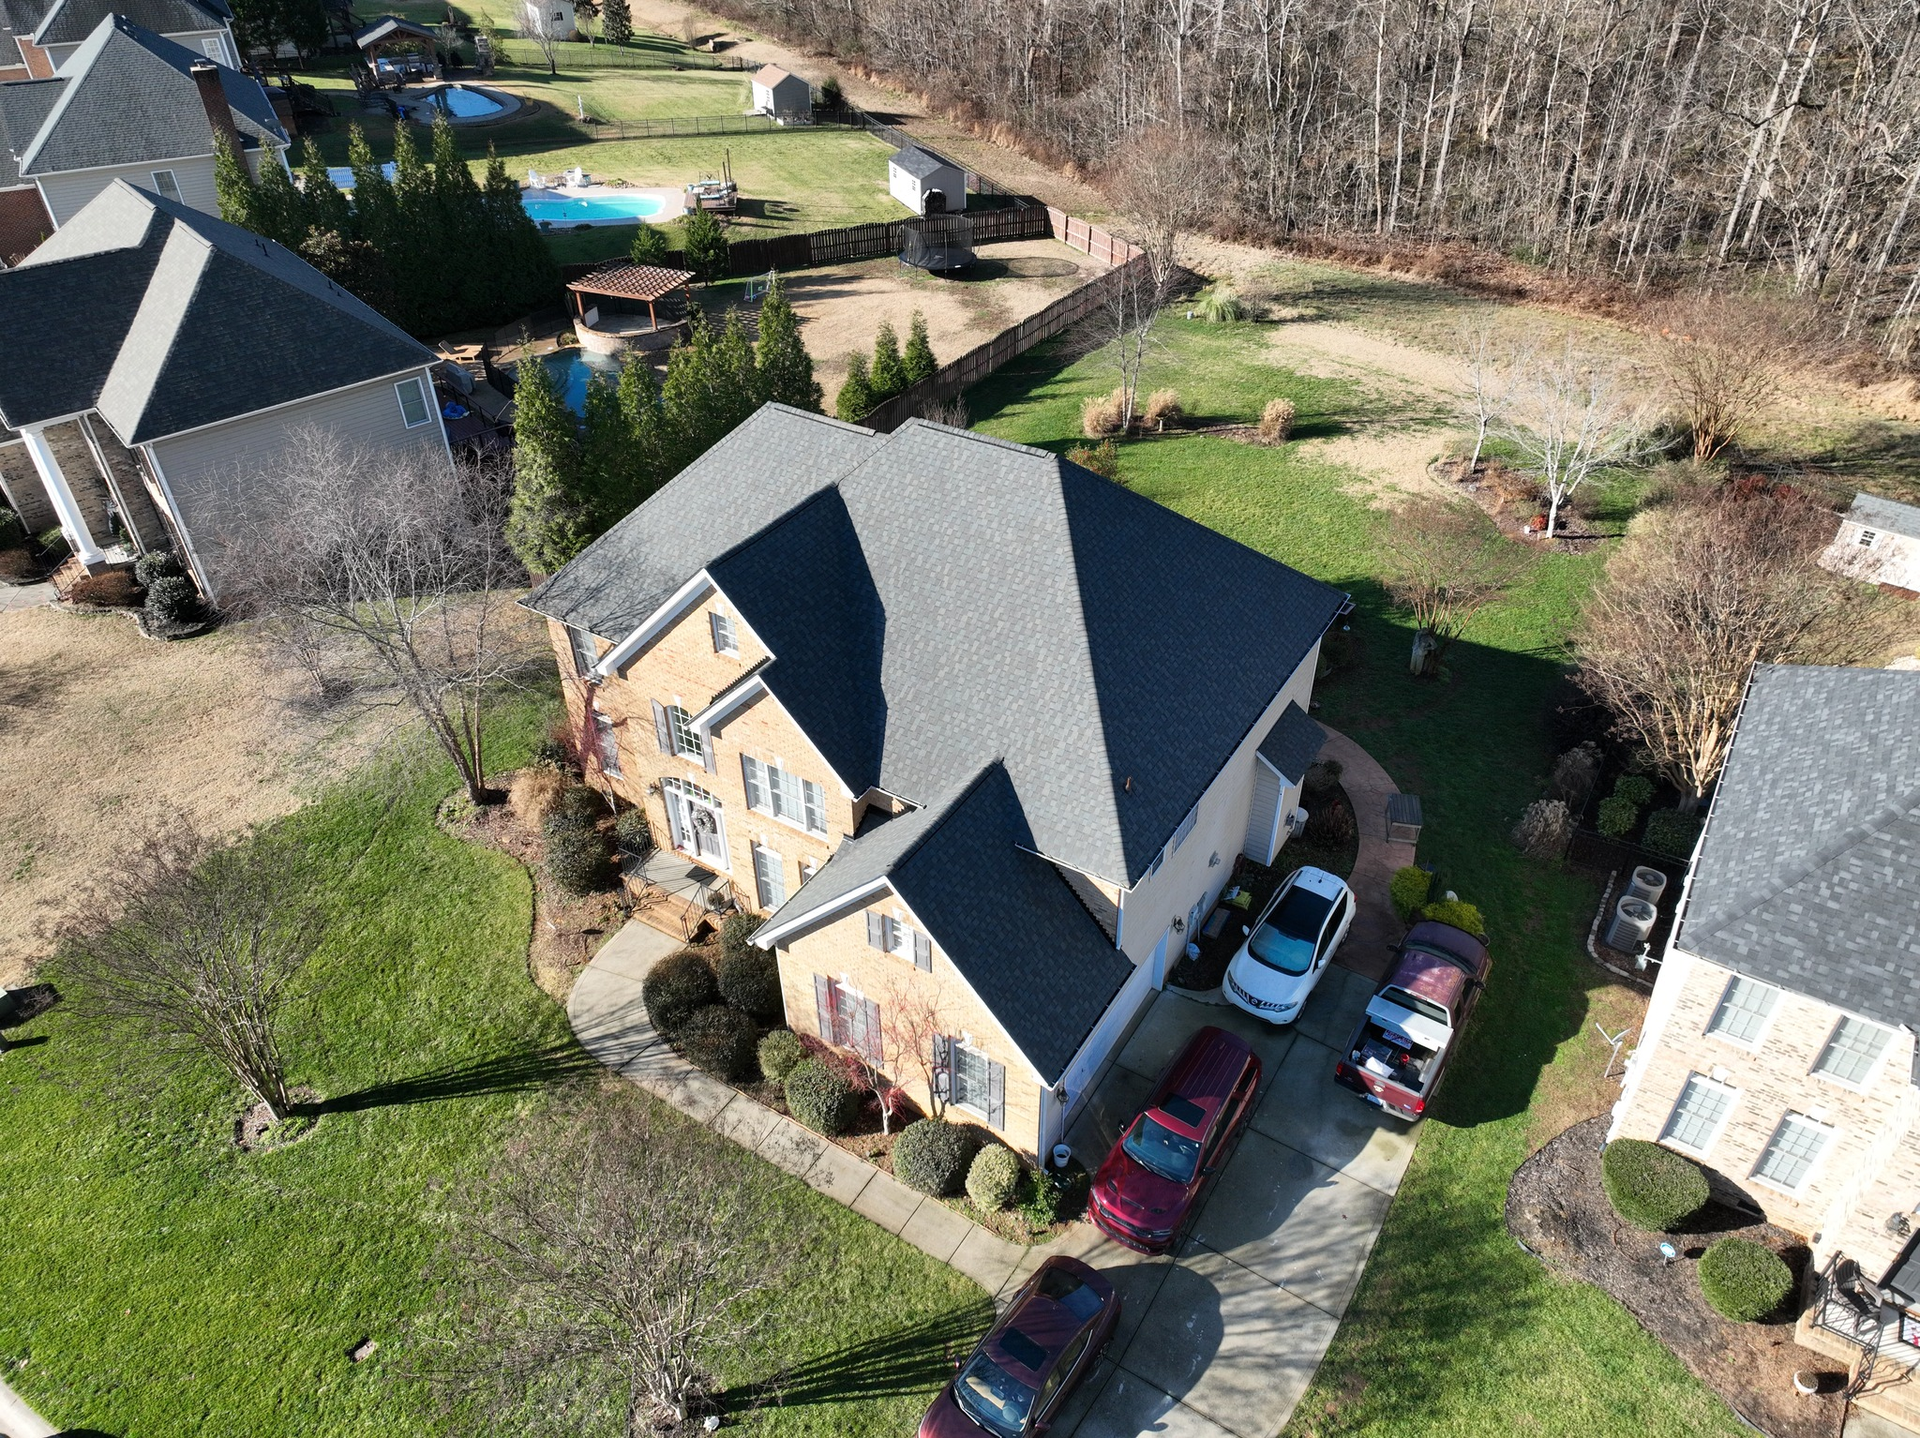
938 243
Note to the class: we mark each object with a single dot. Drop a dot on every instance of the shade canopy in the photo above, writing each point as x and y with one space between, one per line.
632 282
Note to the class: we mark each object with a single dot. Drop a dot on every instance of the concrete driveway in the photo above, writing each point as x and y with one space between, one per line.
1223 1336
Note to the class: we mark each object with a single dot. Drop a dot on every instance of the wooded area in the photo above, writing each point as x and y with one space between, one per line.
1642 140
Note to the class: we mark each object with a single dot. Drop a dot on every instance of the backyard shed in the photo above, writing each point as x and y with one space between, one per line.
1878 541
926 183
783 95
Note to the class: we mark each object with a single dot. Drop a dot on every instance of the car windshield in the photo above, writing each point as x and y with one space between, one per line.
1286 937
993 1397
1153 1145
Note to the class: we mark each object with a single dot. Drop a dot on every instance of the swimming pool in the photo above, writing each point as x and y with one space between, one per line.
464 104
553 208
571 369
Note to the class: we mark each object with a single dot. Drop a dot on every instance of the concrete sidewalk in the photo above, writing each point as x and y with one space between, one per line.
19 1421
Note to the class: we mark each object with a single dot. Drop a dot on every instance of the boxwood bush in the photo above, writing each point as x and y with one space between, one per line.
1457 912
158 564
750 980
172 599
1651 1187
675 987
632 832
1636 789
1616 816
1409 890
934 1156
1671 833
578 858
819 1096
993 1178
719 1039
1744 1280
781 1052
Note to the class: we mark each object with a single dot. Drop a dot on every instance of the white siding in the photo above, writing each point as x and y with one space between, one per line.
1893 559
910 191
1261 814
67 194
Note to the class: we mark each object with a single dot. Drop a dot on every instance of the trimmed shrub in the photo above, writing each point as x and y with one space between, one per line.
1457 912
934 1156
1544 830
1651 1187
1744 1280
19 565
1276 421
750 979
53 542
781 1052
158 564
1330 822
633 833
736 934
1163 409
13 533
1574 773
819 1096
994 1178
1102 414
1102 458
1672 833
534 793
579 805
1408 890
114 589
578 859
1322 778
719 1039
1220 305
1636 789
677 986
173 599
1617 816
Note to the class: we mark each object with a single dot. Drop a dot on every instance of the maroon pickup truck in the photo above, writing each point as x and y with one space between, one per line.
1413 1022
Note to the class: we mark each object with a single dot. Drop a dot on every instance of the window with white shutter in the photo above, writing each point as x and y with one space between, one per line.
789 798
769 878
723 638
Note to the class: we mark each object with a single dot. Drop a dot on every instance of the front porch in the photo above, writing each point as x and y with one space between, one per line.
77 475
680 898
1853 1322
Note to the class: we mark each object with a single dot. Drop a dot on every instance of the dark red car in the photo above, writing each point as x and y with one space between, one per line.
1147 1187
1014 1382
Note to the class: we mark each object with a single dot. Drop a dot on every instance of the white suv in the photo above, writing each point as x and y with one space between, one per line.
1289 946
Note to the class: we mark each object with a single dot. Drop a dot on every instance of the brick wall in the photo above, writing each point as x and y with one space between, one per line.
24 223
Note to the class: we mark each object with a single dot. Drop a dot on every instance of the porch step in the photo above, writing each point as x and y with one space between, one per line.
689 923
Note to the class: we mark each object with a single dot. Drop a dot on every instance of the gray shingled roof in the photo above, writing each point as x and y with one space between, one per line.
130 99
921 163
387 27
960 599
1292 742
68 22
1808 875
165 319
1887 514
24 107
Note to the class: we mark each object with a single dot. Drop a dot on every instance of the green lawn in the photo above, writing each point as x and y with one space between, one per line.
156 1282
1454 1330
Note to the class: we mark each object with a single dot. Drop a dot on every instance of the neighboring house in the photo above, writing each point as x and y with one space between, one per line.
926 183
127 105
154 356
37 37
1879 541
553 19
784 96
981 732
1778 1049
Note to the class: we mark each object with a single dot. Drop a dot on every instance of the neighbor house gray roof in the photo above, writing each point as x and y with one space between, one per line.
1808 875
920 163
389 26
165 319
24 107
68 22
1887 514
1292 742
130 99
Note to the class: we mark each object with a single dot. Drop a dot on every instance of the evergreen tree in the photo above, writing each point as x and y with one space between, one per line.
415 253
640 408
616 22
550 518
326 207
232 183
705 244
786 369
693 402
917 362
279 210
353 264
889 376
649 245
610 468
376 214
739 382
856 396
524 270
466 253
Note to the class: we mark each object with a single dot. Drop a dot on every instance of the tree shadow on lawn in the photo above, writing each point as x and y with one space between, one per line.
516 1072
908 1360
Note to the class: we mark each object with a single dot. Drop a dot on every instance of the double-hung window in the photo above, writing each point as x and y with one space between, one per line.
413 402
686 739
1791 1153
1696 1118
847 1018
893 936
1744 1010
585 652
772 790
724 641
165 185
769 878
969 1078
1186 827
1852 1050
607 743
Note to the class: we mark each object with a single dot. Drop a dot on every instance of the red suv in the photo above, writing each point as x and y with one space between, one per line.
1148 1186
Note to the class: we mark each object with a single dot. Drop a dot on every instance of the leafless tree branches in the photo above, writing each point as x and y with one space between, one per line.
1569 416
1724 358
1445 564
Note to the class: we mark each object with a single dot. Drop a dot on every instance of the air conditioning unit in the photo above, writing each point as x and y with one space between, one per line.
1632 923
1648 884
1297 822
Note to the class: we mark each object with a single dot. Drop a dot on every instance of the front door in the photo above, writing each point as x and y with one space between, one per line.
694 816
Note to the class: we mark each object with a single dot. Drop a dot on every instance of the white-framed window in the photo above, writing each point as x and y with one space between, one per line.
808 869
1696 1118
686 739
1792 1152
165 185
1186 827
724 641
769 878
414 410
1852 1050
893 935
607 743
585 651
1744 1010
847 1018
210 45
970 1079
1869 538
772 790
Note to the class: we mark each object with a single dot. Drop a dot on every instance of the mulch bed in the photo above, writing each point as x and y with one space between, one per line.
1558 1210
1485 485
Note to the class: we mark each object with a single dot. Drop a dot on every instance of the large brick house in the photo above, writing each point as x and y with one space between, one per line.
1779 1047
981 733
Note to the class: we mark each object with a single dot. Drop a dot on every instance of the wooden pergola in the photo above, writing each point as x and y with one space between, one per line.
390 32
643 284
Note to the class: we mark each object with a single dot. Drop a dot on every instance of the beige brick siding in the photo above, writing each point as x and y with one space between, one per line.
839 951
1770 1079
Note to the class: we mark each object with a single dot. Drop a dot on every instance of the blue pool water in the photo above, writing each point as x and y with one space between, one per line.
465 104
342 175
570 369
550 208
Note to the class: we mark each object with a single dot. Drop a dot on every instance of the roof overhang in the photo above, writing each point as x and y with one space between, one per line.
782 928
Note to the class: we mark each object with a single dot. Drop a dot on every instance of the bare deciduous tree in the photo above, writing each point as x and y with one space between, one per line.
1724 357
1153 182
1445 563
914 1020
600 1275
1699 592
1570 417
1488 372
198 949
539 25
388 577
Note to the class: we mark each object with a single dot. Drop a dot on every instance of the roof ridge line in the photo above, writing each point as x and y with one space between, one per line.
948 810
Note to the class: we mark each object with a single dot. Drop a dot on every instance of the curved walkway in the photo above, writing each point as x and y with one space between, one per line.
1376 928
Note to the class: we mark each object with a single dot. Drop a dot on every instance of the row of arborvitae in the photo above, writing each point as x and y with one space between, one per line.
1410 890
893 370
430 249
1658 1190
575 477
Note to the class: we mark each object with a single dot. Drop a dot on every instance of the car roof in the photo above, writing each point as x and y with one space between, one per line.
1436 961
1046 1321
1204 1073
1318 880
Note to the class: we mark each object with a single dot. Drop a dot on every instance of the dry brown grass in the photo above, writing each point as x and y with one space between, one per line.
1276 421
1163 409
1101 414
534 793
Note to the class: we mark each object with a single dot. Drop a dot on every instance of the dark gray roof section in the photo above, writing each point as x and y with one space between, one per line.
165 319
921 163
1292 742
130 99
389 26
68 22
24 107
1808 875
1887 514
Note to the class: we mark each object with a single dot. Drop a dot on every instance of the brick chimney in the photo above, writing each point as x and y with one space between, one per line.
213 96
